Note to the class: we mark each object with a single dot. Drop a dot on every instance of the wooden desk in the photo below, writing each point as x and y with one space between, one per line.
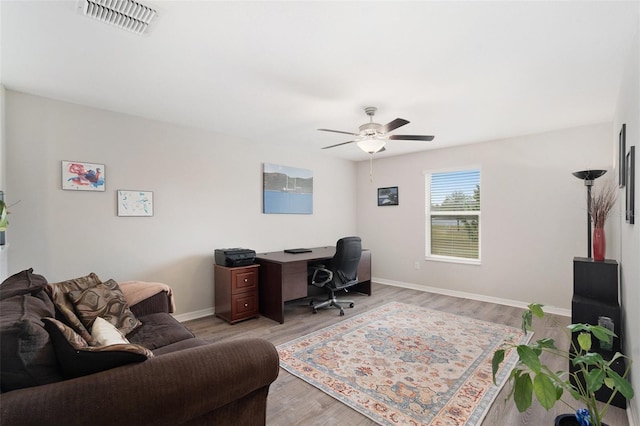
283 277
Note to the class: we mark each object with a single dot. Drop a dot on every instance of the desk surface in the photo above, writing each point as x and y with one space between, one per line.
316 253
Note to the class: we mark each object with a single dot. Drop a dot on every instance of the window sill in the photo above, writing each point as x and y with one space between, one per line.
453 260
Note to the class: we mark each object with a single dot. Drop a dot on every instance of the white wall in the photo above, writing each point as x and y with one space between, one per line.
533 215
626 237
4 264
207 195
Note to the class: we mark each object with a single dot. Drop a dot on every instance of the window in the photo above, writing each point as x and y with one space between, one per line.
453 216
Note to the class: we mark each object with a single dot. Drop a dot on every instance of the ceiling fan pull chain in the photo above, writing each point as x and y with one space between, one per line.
371 167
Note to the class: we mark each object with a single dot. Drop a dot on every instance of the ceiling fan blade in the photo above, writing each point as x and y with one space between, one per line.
338 144
338 131
411 137
392 125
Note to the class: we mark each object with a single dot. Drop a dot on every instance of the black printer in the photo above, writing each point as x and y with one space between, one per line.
232 257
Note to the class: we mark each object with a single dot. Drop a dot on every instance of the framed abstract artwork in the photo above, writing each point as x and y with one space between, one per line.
79 176
388 196
135 203
630 186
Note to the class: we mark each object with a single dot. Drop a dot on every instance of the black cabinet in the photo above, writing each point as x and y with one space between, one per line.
595 294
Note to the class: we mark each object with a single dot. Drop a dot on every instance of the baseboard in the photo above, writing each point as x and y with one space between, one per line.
482 298
194 315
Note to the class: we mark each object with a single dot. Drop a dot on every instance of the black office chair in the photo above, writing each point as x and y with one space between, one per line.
340 274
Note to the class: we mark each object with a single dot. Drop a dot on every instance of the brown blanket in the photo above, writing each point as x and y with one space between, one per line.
136 291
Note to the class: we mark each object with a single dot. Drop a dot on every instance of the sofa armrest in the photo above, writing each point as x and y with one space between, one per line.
169 389
157 303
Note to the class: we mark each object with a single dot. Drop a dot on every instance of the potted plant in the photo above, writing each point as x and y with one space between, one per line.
531 376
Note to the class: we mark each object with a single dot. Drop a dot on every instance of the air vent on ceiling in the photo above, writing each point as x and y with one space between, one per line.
127 14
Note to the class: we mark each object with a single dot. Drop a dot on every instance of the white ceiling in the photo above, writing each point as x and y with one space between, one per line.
274 72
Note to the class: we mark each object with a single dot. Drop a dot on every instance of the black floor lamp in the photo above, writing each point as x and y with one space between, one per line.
589 176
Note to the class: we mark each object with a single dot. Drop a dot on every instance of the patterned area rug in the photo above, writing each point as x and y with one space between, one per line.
403 364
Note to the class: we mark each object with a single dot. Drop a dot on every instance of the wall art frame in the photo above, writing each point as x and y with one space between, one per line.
286 190
135 203
622 151
388 196
82 176
629 215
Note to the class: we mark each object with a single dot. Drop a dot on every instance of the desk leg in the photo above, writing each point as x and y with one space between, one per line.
270 291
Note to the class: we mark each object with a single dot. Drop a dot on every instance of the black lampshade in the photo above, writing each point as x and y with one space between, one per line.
589 174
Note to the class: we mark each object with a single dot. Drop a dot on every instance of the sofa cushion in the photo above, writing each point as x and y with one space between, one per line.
24 282
27 354
58 292
159 330
104 300
77 358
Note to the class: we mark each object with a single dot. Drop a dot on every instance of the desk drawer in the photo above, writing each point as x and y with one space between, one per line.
244 306
244 280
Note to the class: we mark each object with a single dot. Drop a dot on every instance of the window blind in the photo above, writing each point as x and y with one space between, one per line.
453 214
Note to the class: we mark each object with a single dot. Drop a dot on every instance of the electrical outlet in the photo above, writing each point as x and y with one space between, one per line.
416 265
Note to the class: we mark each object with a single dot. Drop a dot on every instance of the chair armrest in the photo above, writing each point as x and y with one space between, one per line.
169 389
321 276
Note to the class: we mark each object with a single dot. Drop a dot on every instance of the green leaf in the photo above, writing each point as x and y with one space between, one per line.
523 390
529 357
498 357
574 328
536 309
621 384
545 391
603 334
527 318
590 358
584 340
595 379
546 343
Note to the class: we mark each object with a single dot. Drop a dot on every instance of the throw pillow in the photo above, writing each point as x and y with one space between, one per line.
77 358
107 301
28 357
58 292
104 333
25 282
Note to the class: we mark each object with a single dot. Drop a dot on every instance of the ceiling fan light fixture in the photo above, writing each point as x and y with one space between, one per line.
371 145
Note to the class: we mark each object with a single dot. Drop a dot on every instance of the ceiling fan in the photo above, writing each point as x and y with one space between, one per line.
372 137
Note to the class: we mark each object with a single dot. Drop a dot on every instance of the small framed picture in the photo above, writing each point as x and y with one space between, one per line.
622 150
630 186
388 196
79 176
135 203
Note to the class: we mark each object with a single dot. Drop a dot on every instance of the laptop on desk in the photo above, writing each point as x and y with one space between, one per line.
298 250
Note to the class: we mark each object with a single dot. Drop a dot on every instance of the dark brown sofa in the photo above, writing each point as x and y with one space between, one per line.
186 382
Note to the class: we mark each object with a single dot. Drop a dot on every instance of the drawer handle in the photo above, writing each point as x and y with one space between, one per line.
246 280
246 304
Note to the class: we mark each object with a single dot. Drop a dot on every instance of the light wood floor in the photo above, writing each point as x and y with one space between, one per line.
295 402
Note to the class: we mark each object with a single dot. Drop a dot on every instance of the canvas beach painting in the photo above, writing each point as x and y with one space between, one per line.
287 190
79 176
